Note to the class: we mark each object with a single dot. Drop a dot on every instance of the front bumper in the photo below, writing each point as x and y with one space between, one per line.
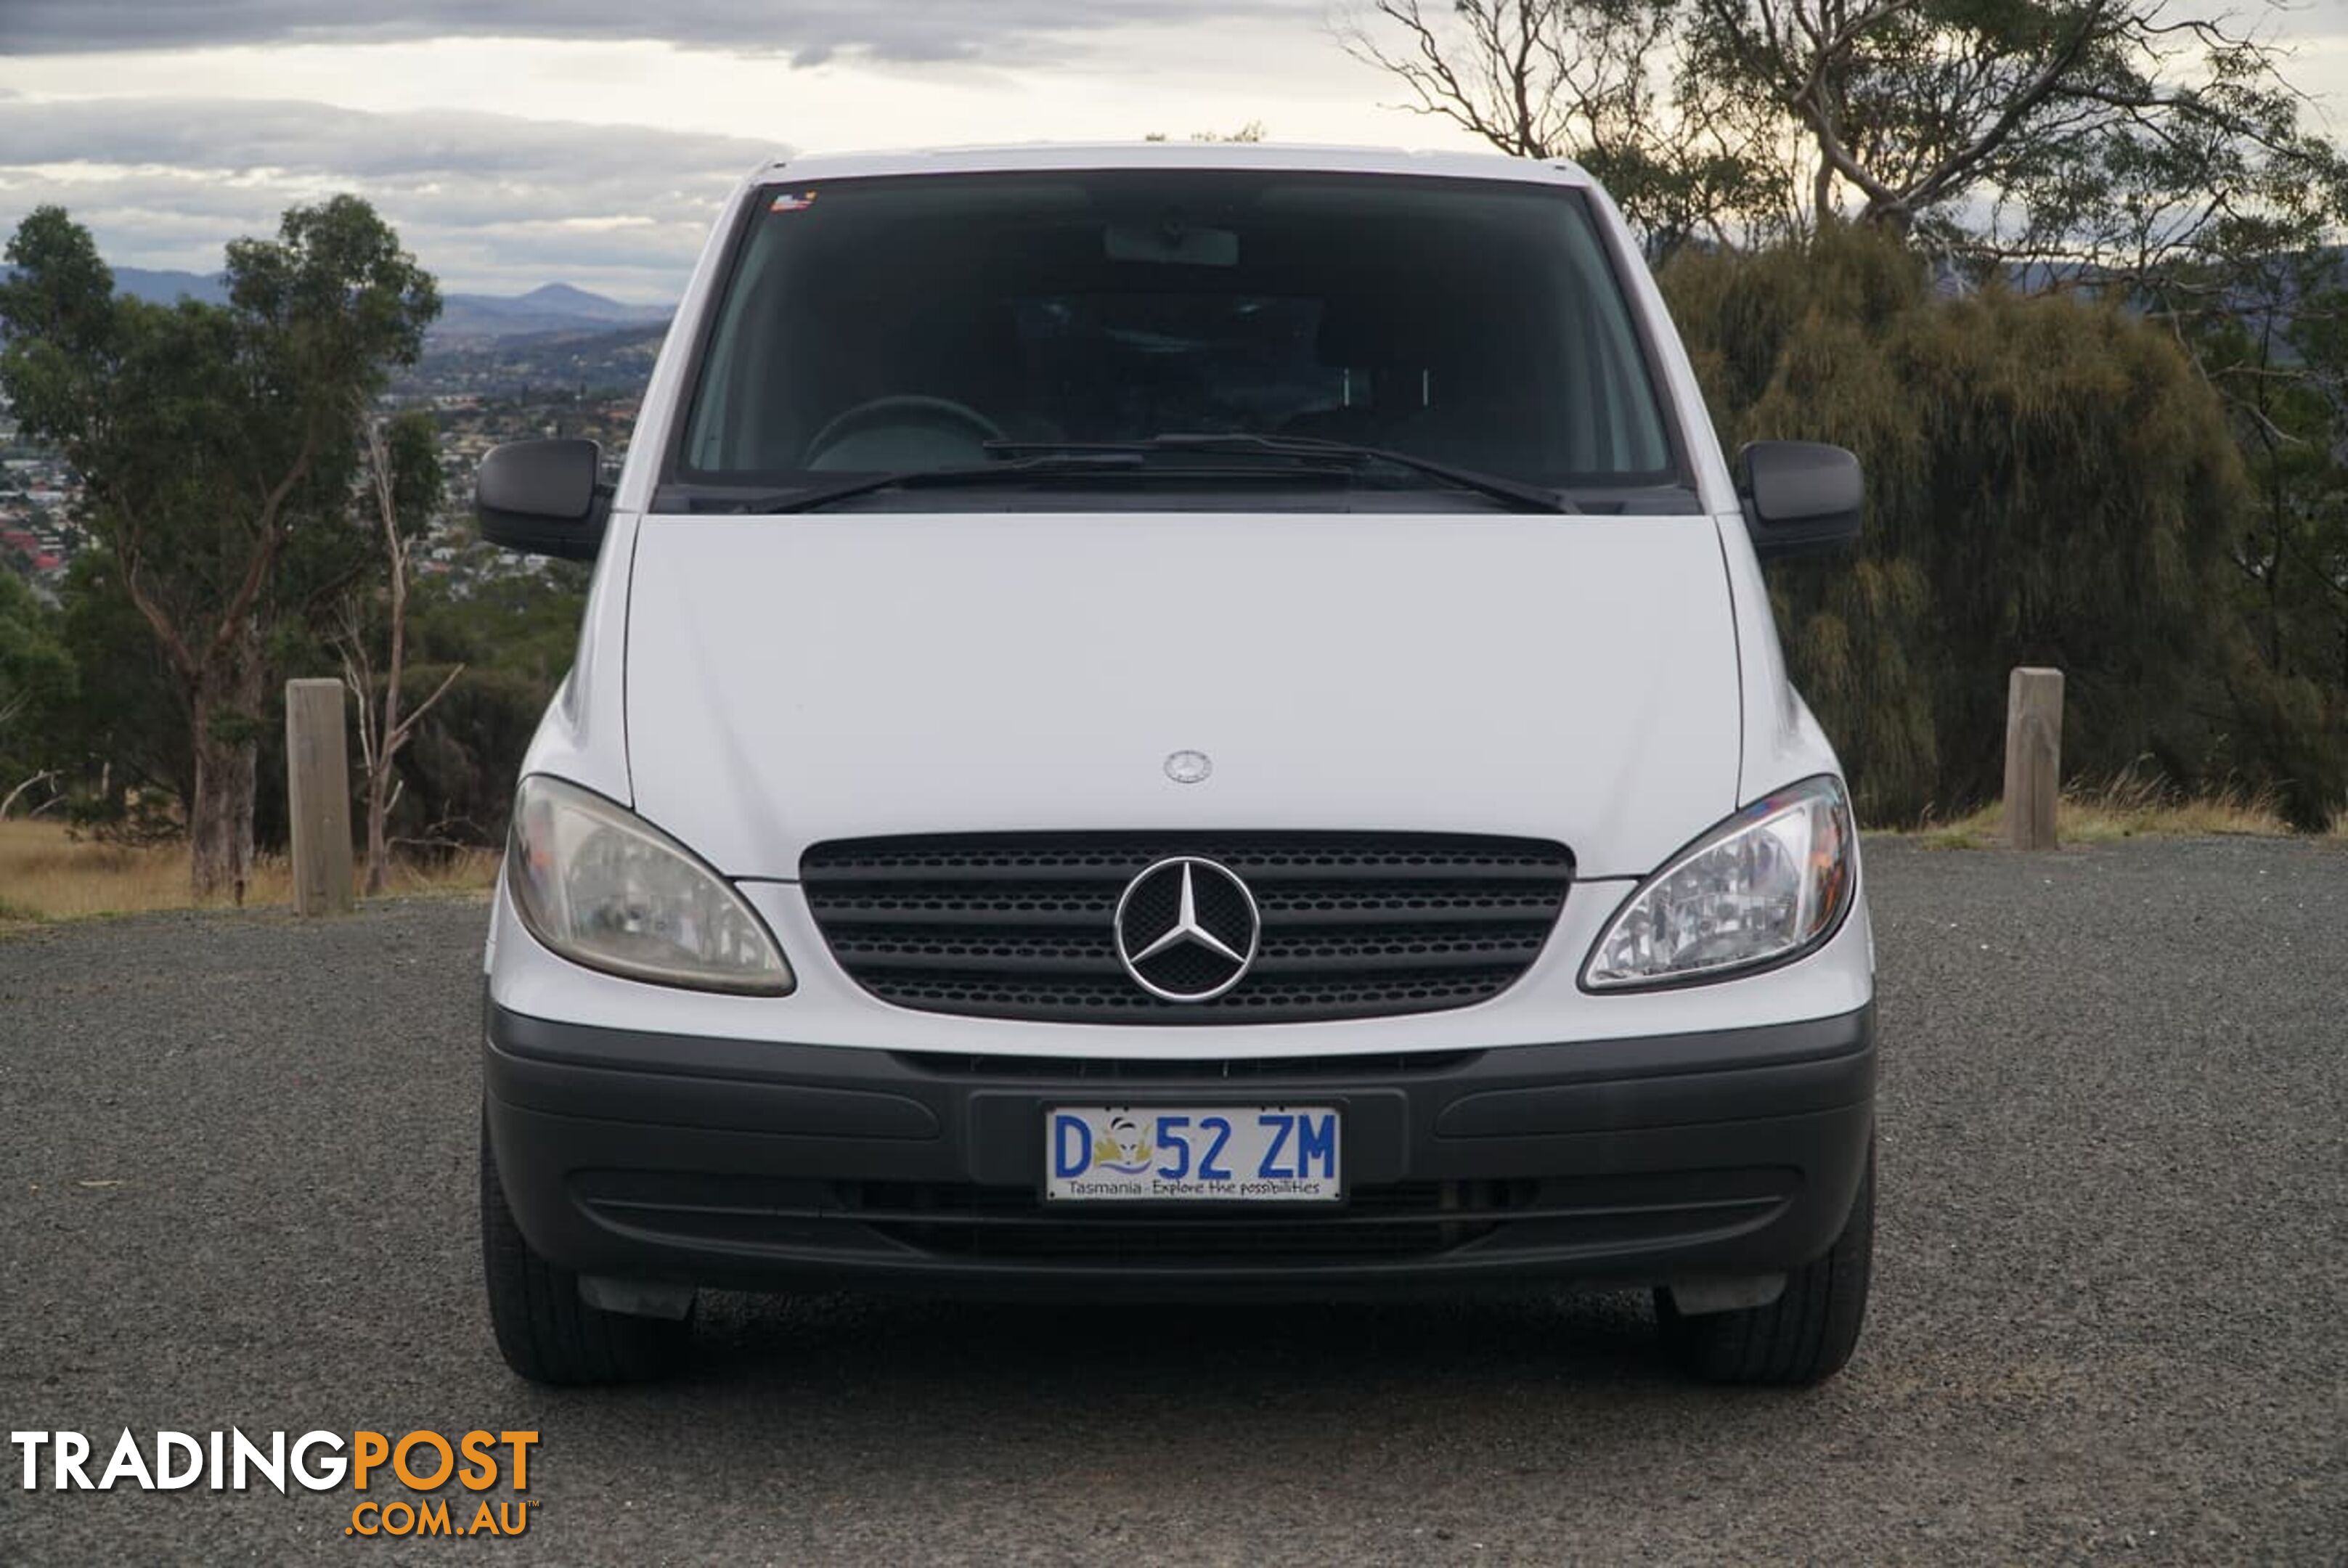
758 1166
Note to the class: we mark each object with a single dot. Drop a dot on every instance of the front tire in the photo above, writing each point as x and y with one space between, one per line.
1806 1335
546 1331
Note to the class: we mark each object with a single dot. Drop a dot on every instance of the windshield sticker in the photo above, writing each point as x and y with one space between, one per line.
793 202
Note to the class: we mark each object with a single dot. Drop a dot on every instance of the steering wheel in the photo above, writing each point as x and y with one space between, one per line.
939 413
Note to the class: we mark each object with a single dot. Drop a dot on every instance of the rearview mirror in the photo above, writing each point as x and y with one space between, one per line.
1800 497
1173 240
544 498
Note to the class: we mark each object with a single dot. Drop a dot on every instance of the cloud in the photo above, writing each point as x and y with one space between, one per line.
807 31
488 199
238 134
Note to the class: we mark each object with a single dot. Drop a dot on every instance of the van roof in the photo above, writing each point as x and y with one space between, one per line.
1049 156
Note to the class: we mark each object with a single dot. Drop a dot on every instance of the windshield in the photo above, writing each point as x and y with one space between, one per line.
937 323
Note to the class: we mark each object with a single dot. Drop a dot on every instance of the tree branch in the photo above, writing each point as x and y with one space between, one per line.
272 541
406 725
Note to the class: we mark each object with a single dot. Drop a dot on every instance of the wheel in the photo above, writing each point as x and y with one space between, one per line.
545 1330
1803 1336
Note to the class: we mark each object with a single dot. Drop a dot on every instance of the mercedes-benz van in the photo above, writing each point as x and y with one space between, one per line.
1177 722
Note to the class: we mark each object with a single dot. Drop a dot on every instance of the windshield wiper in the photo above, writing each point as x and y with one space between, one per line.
1516 493
1048 461
808 498
1310 459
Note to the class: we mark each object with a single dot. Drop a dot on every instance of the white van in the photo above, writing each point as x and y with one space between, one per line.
1176 720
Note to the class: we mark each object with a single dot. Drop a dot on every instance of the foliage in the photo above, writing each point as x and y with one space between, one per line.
2126 138
129 729
1604 82
460 769
514 633
1250 132
2282 359
216 444
2051 482
409 465
36 684
523 623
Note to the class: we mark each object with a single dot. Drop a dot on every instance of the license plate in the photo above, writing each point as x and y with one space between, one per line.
1240 1153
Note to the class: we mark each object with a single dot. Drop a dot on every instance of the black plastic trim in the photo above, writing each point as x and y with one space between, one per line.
522 1038
1622 260
682 411
544 498
1800 497
635 1155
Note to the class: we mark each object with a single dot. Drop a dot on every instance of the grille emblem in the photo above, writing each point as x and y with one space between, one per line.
1188 767
1186 930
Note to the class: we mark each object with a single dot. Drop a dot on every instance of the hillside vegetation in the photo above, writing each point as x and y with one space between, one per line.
2053 481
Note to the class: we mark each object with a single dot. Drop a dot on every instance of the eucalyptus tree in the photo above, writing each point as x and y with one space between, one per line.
2110 139
217 445
1603 82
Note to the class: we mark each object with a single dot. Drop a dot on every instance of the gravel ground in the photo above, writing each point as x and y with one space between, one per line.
236 1189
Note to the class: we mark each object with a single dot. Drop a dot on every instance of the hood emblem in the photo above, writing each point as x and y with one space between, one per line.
1186 930
1188 767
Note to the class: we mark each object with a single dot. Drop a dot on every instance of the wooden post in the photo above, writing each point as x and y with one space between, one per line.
2034 756
318 796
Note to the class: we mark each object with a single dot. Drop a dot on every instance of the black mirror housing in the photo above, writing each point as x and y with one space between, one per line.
1800 497
543 497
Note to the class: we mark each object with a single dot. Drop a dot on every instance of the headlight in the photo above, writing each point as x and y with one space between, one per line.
606 890
1771 882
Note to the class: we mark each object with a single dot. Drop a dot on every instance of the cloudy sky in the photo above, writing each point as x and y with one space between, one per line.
518 142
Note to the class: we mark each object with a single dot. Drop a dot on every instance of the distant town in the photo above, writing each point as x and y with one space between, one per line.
498 371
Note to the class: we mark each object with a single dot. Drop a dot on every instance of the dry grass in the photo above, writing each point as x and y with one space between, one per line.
2129 807
48 873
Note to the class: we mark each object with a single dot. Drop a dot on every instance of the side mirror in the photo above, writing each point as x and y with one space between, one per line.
543 497
1800 497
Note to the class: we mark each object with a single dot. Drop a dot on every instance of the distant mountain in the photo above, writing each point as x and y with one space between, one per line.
164 287
564 298
553 308
476 318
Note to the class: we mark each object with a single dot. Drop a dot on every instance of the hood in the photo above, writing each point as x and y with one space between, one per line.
791 679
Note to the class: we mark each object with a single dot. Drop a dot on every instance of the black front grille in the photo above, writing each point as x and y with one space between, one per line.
1402 1220
1355 925
849 1221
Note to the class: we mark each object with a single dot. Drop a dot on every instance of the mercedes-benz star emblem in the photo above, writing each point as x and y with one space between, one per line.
1188 767
1186 930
